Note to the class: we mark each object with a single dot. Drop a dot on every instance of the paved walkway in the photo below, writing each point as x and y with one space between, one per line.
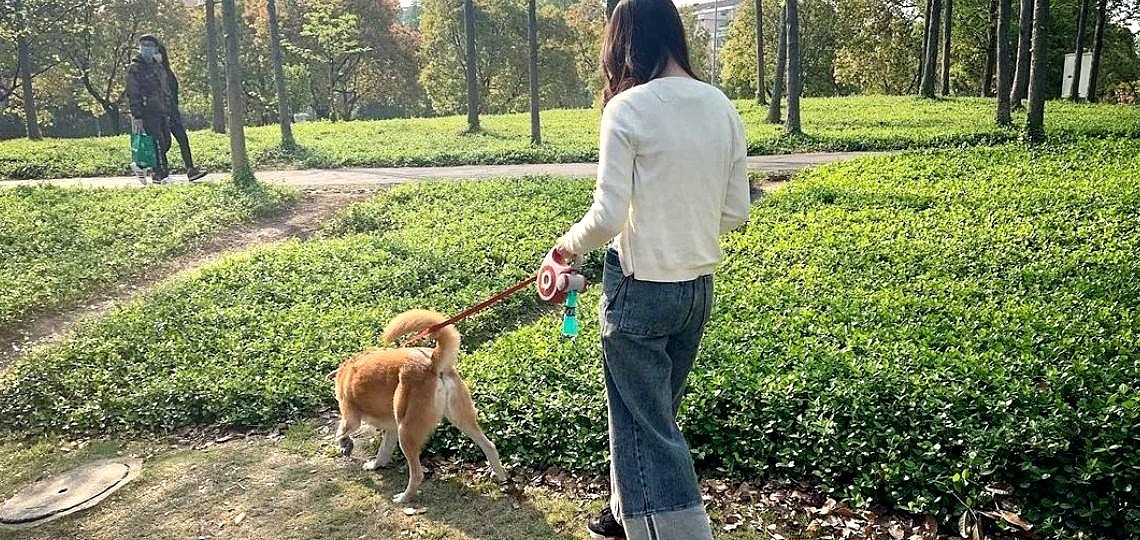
310 178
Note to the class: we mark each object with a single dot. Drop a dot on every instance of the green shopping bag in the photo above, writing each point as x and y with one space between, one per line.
142 150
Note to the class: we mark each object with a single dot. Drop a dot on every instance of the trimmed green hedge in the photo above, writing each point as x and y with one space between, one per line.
846 123
58 244
902 330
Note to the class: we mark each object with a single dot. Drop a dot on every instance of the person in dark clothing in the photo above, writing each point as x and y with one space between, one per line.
175 119
148 94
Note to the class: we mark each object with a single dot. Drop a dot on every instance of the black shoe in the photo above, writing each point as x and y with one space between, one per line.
605 526
194 174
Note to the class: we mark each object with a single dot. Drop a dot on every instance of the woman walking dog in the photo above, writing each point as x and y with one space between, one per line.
672 177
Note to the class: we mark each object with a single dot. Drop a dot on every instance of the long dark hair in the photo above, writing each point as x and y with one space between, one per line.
165 58
641 37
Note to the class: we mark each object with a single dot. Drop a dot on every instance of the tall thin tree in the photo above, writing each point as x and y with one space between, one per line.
781 68
1004 60
1035 121
532 35
472 90
217 86
1021 73
1079 50
987 82
235 97
947 28
795 77
284 117
929 75
761 89
925 47
1098 50
24 62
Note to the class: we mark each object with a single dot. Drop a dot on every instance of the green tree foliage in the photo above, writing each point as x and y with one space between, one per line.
585 19
501 57
876 54
700 44
818 31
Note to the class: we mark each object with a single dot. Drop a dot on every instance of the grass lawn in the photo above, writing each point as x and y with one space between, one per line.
57 245
902 330
848 123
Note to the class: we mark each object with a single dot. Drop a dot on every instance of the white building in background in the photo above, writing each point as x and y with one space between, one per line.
1070 67
715 17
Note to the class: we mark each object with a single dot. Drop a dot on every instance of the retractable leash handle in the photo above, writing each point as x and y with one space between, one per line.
559 282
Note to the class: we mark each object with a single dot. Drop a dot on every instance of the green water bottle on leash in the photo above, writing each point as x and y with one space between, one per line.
570 316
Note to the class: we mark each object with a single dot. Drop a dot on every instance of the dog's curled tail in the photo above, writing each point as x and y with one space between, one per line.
446 338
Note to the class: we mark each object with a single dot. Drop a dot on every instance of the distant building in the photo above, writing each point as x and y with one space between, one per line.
715 17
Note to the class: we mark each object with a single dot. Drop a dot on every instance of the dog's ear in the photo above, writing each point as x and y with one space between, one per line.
332 374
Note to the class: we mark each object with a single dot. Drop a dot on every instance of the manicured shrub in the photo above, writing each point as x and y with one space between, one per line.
58 244
904 330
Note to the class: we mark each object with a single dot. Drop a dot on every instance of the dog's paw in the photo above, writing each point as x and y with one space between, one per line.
345 444
402 498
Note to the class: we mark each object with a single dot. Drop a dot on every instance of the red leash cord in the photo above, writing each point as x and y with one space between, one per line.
473 310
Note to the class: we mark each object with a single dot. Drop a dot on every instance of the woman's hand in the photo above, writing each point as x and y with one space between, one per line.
562 252
137 125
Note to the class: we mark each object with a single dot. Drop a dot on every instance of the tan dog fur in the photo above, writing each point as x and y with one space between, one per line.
406 392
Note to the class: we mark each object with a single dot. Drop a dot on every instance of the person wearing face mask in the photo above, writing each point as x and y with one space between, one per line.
176 127
149 96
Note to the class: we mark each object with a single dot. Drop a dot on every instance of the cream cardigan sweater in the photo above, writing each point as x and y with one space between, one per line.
672 177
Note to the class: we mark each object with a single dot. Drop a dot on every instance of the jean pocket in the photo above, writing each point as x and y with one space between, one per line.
646 308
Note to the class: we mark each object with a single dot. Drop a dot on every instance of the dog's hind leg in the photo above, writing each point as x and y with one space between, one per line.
349 423
461 413
415 423
384 455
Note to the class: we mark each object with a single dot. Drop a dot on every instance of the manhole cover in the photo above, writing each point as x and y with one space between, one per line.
67 492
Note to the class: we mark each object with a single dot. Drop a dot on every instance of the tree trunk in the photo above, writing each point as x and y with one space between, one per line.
761 89
1098 50
925 45
926 87
947 28
1021 74
472 90
532 34
116 119
781 68
242 173
1004 69
795 79
24 57
991 53
285 118
1082 22
217 87
1035 123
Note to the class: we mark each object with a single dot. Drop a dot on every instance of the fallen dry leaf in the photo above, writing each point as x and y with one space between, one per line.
1009 517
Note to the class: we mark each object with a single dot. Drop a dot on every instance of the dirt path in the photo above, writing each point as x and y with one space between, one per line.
299 221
